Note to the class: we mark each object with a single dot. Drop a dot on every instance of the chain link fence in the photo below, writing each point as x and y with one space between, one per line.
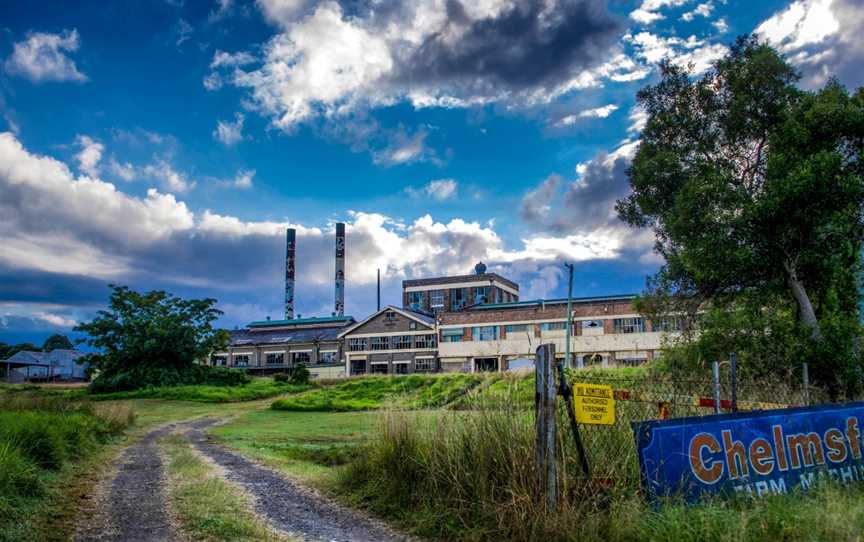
611 449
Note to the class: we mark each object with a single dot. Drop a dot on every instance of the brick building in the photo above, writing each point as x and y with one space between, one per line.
440 294
391 341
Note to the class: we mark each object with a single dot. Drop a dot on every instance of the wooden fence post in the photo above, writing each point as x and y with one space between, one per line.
544 422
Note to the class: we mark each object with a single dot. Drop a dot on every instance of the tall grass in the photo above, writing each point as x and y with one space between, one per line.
469 475
42 435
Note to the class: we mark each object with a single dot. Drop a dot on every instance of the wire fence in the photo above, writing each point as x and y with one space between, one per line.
611 449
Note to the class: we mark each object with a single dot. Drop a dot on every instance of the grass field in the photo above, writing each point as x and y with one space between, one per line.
258 388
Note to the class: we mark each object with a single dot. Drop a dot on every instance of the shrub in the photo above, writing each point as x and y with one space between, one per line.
282 377
155 377
300 375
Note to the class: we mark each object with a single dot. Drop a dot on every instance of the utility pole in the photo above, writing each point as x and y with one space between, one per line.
567 362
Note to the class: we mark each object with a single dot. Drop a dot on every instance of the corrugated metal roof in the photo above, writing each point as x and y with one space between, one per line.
241 337
302 321
432 281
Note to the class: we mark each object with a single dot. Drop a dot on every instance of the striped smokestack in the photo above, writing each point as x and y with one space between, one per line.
340 269
290 256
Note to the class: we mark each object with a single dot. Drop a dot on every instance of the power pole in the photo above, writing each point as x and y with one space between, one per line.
567 362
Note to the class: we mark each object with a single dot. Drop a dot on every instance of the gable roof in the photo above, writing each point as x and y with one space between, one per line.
419 317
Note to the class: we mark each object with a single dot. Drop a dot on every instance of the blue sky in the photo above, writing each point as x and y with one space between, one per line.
169 143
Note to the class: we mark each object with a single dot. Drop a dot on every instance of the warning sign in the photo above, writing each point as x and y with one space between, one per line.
594 404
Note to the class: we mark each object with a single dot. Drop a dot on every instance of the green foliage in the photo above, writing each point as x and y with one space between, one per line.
373 392
282 377
258 388
154 339
755 190
9 350
57 341
300 375
41 436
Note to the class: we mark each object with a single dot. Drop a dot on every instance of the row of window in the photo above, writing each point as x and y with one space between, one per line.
421 365
619 325
459 298
395 342
278 358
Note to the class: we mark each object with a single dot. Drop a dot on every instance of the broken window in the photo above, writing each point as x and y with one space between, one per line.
380 343
401 342
424 365
241 360
274 358
452 335
629 325
424 341
458 298
484 333
436 298
357 345
415 301
300 357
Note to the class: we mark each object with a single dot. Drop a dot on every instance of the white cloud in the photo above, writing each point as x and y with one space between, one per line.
653 48
223 9
702 10
439 189
405 149
596 113
212 81
638 119
822 37
170 179
56 319
231 60
648 11
42 57
183 32
123 170
90 155
721 25
230 133
243 179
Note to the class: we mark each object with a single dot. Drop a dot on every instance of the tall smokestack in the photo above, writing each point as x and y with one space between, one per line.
379 289
290 257
340 269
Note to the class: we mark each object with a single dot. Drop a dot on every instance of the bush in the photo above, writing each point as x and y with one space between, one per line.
282 377
300 375
154 377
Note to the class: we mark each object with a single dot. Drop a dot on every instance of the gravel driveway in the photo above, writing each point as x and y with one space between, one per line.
288 507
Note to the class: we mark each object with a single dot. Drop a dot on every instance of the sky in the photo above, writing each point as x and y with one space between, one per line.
169 143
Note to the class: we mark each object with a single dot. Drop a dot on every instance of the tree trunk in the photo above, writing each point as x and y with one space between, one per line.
808 316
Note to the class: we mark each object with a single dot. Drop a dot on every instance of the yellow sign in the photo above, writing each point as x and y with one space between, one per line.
594 404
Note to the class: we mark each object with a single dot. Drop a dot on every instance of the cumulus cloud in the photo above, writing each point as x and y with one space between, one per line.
243 179
171 180
692 51
225 59
43 57
95 233
595 113
230 133
439 190
90 155
649 10
702 10
327 62
405 148
822 37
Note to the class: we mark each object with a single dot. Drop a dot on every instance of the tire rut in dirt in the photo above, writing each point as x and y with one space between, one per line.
136 500
288 507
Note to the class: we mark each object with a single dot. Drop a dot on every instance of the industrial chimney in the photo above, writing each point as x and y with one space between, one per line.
340 269
290 256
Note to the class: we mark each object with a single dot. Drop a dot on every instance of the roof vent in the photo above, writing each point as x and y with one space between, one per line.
480 268
268 318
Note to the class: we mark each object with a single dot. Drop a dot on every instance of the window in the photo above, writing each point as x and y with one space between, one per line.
273 358
380 343
389 317
422 365
424 341
401 342
458 298
592 324
378 369
357 345
401 368
484 333
241 360
327 357
518 328
668 324
629 325
452 335
632 362
481 295
415 300
552 326
301 357
436 298
219 361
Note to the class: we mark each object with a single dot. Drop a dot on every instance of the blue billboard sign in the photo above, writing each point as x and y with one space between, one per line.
755 453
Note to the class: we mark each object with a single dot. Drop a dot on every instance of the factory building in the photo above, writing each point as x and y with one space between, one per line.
606 332
441 294
276 346
391 341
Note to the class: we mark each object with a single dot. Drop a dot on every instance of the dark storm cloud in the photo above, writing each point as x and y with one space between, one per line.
32 286
525 47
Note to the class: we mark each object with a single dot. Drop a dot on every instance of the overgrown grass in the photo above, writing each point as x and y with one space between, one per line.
207 506
469 475
374 392
42 437
258 388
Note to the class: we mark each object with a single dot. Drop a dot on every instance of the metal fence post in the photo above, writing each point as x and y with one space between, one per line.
545 447
716 371
806 377
733 375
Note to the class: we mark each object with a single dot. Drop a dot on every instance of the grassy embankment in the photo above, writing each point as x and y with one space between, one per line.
258 388
48 446
206 506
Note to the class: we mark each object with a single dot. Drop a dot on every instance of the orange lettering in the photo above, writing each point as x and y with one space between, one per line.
852 435
836 446
778 446
710 470
805 448
736 456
